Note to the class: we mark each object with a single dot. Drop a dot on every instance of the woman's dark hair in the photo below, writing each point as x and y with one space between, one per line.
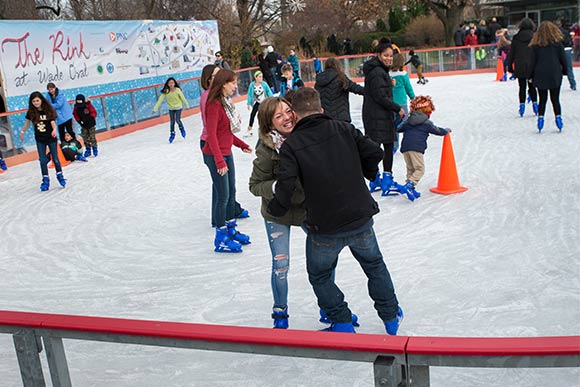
46 107
384 44
527 24
334 64
165 89
221 78
206 75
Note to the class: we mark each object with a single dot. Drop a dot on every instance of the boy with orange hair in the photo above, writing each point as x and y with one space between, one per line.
416 130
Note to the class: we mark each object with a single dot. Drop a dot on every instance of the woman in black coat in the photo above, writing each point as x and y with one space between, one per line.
334 86
548 67
519 63
379 110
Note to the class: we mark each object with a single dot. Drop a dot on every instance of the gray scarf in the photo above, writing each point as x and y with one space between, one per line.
233 115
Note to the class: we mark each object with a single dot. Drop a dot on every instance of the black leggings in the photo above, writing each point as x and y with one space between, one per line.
388 157
69 129
523 83
554 97
253 113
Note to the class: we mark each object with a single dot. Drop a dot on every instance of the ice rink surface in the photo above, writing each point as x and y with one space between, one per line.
130 237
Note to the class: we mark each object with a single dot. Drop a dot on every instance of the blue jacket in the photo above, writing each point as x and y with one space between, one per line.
251 96
296 83
416 130
62 107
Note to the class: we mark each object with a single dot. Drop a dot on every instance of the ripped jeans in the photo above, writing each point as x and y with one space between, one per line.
279 239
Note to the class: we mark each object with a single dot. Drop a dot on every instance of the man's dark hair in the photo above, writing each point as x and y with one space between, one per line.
306 100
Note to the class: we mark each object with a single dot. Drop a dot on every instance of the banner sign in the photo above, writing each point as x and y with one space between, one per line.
76 54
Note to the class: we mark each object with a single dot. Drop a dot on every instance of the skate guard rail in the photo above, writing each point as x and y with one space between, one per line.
398 360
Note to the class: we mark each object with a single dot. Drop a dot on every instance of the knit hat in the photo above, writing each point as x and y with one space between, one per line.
82 100
422 103
257 73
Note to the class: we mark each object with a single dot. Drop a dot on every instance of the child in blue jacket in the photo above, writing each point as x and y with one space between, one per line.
257 92
415 132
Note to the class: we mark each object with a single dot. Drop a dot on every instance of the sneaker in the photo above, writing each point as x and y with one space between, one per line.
326 320
171 137
535 107
340 327
223 243
3 164
376 183
522 109
559 123
45 185
540 123
393 326
61 179
183 133
242 215
235 235
280 316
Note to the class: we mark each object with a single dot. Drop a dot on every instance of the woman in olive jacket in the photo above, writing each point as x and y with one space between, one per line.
277 120
379 110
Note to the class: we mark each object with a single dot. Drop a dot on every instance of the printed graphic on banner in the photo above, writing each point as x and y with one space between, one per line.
75 54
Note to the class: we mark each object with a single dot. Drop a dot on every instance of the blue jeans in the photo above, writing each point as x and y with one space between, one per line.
238 207
224 201
570 69
279 239
175 116
321 260
43 156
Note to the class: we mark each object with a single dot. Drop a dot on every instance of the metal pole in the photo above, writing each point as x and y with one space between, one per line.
57 364
27 350
386 374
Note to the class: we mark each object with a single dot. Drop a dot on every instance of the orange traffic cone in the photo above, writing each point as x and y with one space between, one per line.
63 161
499 73
448 182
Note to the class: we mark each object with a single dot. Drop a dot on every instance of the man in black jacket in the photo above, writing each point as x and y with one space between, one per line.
332 158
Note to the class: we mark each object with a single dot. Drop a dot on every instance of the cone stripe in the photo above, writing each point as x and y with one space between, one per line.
448 182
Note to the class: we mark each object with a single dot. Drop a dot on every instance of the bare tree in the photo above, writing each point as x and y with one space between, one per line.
22 9
450 12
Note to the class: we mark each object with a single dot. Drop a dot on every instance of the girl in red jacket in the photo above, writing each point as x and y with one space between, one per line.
222 121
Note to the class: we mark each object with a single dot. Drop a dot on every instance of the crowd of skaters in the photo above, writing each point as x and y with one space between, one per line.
291 168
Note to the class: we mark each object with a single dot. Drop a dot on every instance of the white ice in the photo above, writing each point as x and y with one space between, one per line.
130 237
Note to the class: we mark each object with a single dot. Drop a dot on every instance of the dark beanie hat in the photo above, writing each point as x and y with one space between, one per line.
81 97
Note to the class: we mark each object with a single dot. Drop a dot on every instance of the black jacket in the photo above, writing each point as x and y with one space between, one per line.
331 158
378 104
333 97
519 60
548 66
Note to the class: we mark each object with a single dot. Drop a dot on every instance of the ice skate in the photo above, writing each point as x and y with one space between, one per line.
540 123
45 185
235 235
326 320
559 123
61 179
280 316
393 326
224 244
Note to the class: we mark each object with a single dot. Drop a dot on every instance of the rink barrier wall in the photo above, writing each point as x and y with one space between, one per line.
436 62
398 361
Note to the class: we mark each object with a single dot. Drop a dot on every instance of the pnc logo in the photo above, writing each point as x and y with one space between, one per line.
114 36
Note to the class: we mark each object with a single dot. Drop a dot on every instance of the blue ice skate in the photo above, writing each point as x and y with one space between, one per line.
393 326
171 137
540 123
223 243
61 179
389 186
280 316
375 185
326 320
559 123
340 327
95 151
87 152
235 235
522 109
183 133
81 158
3 164
242 215
45 185
535 107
